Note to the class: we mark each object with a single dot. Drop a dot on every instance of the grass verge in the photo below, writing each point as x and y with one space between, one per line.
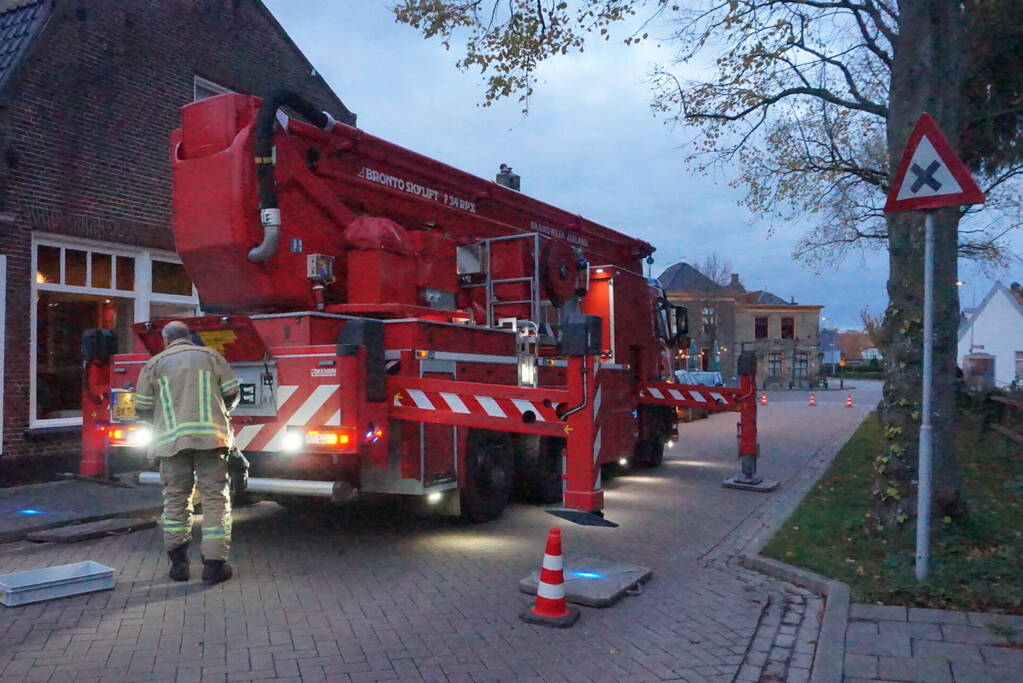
975 564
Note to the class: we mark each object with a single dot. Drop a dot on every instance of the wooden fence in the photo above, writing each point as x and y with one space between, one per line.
1010 418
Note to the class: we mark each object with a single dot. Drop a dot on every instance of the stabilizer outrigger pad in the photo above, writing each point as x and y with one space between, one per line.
580 517
755 484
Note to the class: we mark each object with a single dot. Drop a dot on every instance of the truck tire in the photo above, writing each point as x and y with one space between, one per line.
489 475
649 453
538 468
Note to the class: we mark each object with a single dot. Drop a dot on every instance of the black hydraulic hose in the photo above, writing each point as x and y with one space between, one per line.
269 213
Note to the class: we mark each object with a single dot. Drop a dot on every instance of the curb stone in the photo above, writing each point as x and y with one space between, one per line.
829 654
829 658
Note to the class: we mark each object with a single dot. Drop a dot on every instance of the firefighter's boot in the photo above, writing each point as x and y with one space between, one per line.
179 563
215 571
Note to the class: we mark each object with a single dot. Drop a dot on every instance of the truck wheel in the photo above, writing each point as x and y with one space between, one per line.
649 453
489 475
538 465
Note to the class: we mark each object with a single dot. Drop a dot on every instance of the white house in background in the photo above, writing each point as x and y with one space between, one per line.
991 337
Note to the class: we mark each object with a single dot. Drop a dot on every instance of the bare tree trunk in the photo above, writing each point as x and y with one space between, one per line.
927 75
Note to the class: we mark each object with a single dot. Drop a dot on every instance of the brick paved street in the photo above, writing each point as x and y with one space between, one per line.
890 643
368 594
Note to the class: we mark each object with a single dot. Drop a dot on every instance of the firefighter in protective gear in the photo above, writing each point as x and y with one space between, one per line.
188 390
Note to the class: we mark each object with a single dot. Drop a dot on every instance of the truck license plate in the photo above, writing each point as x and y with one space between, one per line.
124 408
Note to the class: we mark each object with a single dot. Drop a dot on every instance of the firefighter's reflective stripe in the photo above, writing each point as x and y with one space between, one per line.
227 388
204 396
188 429
167 403
143 402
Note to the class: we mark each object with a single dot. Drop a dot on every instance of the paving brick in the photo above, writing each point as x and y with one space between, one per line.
970 634
982 673
1003 656
1003 620
864 666
936 616
892 646
863 629
797 675
877 612
958 652
914 669
909 628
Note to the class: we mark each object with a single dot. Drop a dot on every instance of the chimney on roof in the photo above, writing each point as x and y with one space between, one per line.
1015 287
507 178
792 300
735 280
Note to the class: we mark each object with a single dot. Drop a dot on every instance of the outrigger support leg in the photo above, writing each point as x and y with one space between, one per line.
582 496
747 433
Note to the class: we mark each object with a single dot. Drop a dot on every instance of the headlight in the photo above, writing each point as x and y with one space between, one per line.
293 441
141 436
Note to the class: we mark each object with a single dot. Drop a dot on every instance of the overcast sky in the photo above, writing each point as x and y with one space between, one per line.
589 145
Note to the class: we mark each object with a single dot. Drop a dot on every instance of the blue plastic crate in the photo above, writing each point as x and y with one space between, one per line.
35 585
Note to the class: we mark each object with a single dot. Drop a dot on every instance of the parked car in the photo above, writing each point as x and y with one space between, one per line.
704 378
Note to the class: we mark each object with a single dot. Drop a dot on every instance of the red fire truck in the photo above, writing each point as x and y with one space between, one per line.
402 327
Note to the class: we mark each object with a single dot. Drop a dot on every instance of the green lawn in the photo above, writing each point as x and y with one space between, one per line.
975 565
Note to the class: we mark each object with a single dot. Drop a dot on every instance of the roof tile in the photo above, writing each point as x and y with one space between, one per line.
20 21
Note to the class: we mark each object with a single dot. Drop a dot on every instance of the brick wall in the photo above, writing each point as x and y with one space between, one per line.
84 135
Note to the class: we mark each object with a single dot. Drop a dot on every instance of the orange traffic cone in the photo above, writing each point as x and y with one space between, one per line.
813 400
551 608
848 401
763 399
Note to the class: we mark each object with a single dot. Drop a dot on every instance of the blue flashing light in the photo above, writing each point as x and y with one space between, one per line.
588 575
30 511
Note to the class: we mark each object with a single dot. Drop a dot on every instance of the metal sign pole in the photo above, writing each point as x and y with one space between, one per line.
923 499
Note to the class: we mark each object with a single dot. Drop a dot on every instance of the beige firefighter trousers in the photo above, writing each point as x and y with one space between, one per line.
207 471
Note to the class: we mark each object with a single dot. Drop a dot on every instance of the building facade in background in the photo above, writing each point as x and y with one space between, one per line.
89 95
991 340
725 320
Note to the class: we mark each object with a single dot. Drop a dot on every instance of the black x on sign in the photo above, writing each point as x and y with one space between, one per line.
930 174
925 177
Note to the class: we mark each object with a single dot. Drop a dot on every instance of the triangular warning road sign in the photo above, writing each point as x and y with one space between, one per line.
931 175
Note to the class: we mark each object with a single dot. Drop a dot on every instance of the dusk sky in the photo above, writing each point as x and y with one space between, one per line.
589 145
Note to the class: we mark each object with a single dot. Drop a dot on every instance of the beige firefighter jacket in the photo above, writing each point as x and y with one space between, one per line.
185 387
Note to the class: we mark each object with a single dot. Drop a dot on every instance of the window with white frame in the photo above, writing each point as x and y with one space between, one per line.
202 88
80 285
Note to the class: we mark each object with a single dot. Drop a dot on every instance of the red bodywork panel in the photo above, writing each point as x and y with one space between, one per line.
386 226
326 182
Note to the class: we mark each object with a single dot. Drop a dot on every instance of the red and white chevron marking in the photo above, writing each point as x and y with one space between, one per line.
687 394
471 404
314 405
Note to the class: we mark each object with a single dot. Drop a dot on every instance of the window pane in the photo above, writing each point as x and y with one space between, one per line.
788 328
101 270
125 273
760 331
48 264
171 278
60 320
74 267
159 311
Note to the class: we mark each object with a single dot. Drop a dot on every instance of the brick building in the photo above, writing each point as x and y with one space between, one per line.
725 320
711 318
785 337
89 94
